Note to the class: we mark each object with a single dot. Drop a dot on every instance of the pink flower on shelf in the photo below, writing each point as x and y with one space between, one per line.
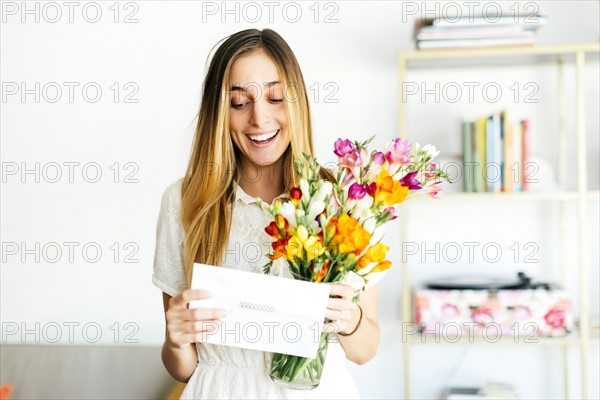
555 318
357 191
343 147
521 313
482 315
449 310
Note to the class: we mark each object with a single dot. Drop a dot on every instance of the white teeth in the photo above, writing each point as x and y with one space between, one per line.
263 137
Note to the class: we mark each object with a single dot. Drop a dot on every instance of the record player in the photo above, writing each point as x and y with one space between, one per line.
493 307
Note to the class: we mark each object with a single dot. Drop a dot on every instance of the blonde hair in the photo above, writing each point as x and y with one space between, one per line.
208 185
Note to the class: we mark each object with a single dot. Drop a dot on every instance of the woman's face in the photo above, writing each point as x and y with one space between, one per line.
257 120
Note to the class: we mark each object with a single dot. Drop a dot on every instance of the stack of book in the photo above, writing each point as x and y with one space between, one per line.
496 155
473 32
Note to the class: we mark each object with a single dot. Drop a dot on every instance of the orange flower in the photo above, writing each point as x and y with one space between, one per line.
280 248
382 266
388 190
375 253
350 237
318 277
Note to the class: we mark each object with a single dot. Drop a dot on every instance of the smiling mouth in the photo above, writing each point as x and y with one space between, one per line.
264 137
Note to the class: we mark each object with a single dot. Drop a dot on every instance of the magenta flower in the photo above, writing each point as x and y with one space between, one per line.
393 211
343 147
398 152
371 188
357 191
409 181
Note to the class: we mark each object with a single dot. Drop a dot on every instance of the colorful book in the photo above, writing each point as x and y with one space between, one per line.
526 171
467 151
479 154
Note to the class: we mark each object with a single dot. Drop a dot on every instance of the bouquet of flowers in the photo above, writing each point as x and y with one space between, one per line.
331 231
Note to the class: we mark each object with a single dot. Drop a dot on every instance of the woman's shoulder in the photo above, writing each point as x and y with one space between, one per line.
172 194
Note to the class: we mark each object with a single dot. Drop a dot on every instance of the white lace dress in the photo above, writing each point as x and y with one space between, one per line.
230 372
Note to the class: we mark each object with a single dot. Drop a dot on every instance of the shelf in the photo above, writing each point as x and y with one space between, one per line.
514 196
571 340
498 56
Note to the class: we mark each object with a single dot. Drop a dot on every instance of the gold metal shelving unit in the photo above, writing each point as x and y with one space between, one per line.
577 55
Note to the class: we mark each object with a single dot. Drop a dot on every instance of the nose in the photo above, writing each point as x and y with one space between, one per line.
259 116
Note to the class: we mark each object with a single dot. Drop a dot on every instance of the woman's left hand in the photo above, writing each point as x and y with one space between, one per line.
342 313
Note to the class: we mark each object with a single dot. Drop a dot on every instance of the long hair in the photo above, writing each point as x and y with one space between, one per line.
208 185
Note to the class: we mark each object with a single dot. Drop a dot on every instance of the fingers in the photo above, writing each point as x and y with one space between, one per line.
341 290
183 299
185 325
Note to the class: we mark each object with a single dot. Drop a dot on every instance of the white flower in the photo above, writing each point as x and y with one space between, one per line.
289 212
431 150
316 207
305 190
324 191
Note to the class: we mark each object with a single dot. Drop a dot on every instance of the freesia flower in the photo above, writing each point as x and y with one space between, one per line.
391 210
375 253
350 237
289 212
434 190
316 207
377 161
354 161
388 190
342 147
431 150
431 173
410 182
357 191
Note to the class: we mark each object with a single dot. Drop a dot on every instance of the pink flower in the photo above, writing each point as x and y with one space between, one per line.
434 190
354 161
555 318
398 152
378 160
348 178
393 211
482 316
409 181
357 191
343 147
450 310
431 175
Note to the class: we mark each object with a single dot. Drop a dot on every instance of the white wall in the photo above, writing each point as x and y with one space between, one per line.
164 56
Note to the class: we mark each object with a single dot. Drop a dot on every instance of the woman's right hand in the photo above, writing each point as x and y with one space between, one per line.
185 325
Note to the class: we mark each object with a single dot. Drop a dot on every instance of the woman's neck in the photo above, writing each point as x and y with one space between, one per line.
265 182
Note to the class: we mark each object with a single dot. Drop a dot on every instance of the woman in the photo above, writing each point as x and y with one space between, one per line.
254 120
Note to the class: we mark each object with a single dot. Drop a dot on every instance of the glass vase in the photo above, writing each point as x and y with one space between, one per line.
299 373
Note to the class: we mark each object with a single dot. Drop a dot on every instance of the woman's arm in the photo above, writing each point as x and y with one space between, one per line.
185 327
361 346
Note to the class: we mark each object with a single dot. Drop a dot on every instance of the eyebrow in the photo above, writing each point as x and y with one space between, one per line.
236 88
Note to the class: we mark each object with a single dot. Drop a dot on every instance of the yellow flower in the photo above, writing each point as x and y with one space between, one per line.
388 190
375 253
382 266
302 242
350 237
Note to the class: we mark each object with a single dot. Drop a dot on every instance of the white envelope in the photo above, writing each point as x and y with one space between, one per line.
265 312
